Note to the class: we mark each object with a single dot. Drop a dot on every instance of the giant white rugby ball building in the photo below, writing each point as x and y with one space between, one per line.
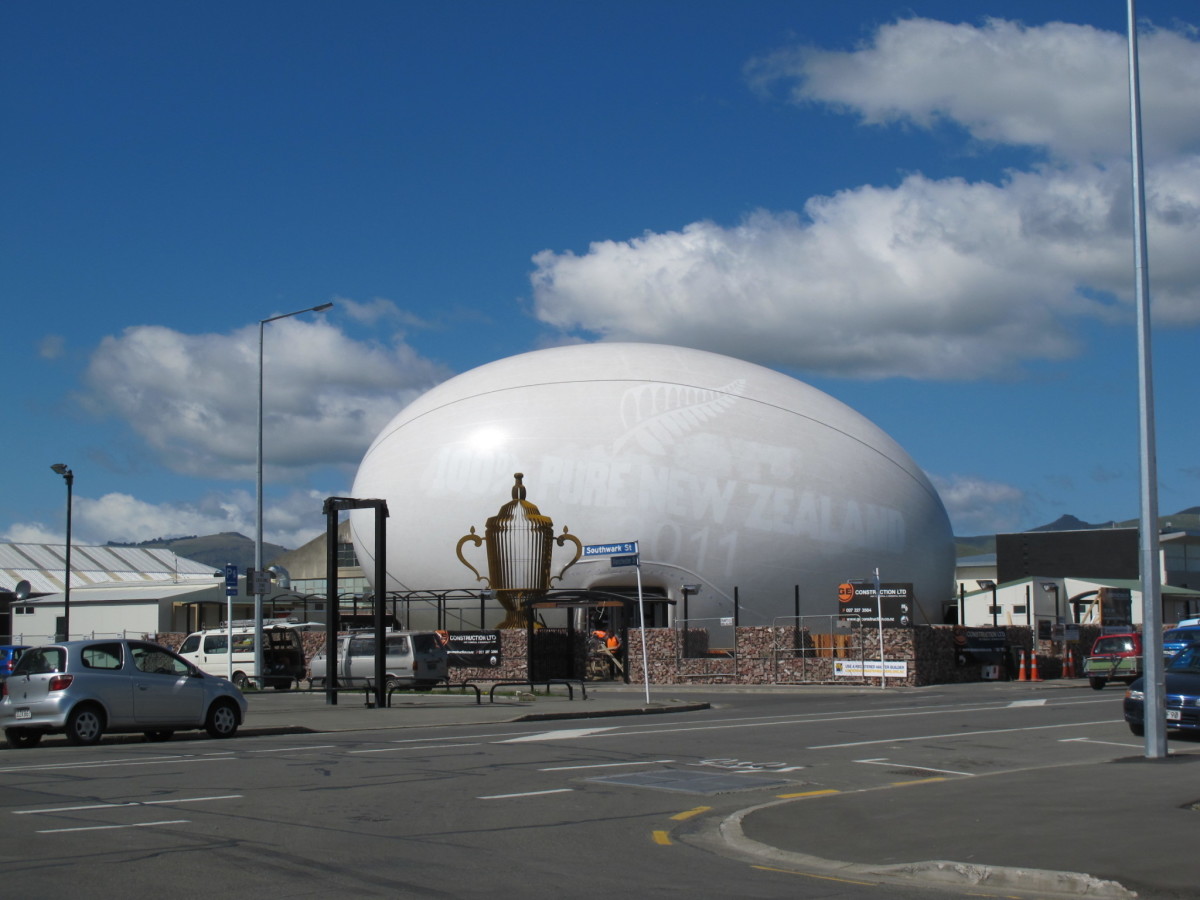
728 475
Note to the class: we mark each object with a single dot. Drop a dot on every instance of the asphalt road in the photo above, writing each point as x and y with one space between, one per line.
580 808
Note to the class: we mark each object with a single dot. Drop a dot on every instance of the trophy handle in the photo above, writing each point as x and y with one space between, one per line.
478 541
578 552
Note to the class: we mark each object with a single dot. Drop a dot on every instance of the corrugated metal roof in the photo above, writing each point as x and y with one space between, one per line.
43 565
1134 584
159 590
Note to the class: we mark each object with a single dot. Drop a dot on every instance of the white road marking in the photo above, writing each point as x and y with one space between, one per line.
648 762
58 809
563 735
526 794
426 747
1091 741
957 734
882 761
631 729
1016 703
458 737
293 749
117 763
112 827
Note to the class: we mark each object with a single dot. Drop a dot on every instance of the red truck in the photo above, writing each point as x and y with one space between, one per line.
1114 656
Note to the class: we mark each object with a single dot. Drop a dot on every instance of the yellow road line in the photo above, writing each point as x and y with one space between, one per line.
807 794
918 781
683 816
662 838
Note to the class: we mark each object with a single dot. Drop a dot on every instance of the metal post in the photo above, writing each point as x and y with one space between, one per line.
331 602
258 484
69 477
1155 678
381 514
879 613
641 621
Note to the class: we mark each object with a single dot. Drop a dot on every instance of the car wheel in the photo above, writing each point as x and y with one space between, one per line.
1138 730
85 725
22 737
240 681
1097 683
222 721
158 736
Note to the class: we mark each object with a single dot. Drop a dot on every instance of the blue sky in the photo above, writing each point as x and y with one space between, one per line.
924 214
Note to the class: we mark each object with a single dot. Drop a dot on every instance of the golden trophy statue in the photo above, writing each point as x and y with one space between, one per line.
519 548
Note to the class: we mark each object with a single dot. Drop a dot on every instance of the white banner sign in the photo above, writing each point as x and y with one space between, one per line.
869 668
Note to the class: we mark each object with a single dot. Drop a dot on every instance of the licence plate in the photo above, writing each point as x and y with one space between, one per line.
23 713
1173 715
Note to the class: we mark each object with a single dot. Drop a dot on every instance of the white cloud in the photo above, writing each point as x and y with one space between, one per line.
978 506
1057 86
939 279
32 533
290 520
193 399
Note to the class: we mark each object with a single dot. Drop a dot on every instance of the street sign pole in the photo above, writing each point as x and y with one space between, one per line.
642 619
625 553
231 589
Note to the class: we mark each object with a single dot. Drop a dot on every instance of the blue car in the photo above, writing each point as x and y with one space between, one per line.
1182 701
9 654
1178 638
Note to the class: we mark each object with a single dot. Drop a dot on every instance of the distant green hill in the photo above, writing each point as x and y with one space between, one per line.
215 550
978 545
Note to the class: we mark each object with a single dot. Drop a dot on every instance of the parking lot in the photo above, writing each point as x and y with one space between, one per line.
764 792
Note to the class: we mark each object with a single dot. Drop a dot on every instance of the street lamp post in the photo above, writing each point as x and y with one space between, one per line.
258 520
69 478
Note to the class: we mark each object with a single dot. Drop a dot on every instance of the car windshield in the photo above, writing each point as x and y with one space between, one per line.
1181 635
1187 660
1114 645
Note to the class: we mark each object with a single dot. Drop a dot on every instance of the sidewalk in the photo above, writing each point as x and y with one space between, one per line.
283 712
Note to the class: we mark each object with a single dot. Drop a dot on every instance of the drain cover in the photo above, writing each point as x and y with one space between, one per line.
693 782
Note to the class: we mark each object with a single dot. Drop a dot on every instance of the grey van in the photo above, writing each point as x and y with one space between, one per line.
413 659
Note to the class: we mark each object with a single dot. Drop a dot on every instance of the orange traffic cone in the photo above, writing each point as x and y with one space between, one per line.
1069 665
1021 667
1033 668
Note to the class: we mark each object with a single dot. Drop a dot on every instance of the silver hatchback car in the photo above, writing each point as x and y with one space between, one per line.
84 689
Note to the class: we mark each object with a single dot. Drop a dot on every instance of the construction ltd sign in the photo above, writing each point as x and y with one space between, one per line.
894 601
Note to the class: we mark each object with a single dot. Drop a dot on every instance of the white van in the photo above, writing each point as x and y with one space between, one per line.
282 654
414 659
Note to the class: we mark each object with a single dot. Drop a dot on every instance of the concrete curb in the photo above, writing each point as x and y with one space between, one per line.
264 730
939 873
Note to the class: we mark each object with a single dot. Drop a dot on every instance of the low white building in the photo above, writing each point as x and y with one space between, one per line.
120 609
1085 601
